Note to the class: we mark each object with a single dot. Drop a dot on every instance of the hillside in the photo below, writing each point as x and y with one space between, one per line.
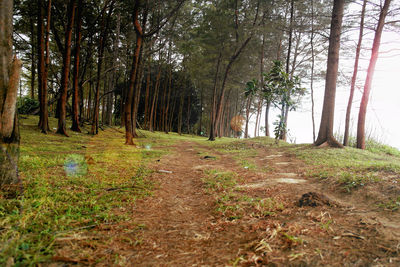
181 200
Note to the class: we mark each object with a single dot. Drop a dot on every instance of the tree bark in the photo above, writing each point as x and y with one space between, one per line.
370 73
10 184
199 130
214 101
168 100
41 66
285 107
188 114
103 35
268 106
33 67
153 110
226 74
180 114
65 69
246 128
75 95
44 102
147 95
134 70
312 70
113 81
354 78
325 134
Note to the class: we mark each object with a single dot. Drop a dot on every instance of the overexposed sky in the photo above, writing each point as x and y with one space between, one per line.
383 108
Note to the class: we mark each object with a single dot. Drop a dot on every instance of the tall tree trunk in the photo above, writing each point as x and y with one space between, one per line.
261 99
75 93
168 100
147 95
285 107
258 115
138 87
248 105
370 73
226 74
103 36
354 78
41 60
188 114
133 74
325 134
267 107
89 99
153 104
214 100
199 130
312 70
171 116
65 69
180 114
163 103
44 112
33 67
113 81
10 68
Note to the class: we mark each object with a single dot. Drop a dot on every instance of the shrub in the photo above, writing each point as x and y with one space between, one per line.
27 105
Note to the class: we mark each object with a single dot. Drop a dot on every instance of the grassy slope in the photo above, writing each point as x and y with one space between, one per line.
112 175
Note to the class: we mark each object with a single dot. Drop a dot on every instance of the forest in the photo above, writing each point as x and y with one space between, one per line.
114 114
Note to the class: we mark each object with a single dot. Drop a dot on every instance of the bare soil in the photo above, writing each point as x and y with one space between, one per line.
180 226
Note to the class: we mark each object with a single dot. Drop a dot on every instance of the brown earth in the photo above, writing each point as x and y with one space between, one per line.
180 225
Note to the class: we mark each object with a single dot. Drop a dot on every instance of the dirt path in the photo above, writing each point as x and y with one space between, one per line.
183 228
180 219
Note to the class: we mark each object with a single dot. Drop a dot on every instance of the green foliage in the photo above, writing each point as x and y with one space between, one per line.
283 91
280 88
391 205
251 88
26 105
280 127
350 181
267 207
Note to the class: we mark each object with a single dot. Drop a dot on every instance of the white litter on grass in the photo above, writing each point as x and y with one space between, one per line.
288 174
164 171
290 181
273 156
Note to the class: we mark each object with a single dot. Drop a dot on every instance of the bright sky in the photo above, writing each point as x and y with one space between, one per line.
383 108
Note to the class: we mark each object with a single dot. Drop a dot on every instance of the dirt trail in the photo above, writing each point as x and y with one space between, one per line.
179 220
182 227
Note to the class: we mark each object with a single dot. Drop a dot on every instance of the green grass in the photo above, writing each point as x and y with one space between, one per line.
350 168
231 202
391 205
372 145
69 184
